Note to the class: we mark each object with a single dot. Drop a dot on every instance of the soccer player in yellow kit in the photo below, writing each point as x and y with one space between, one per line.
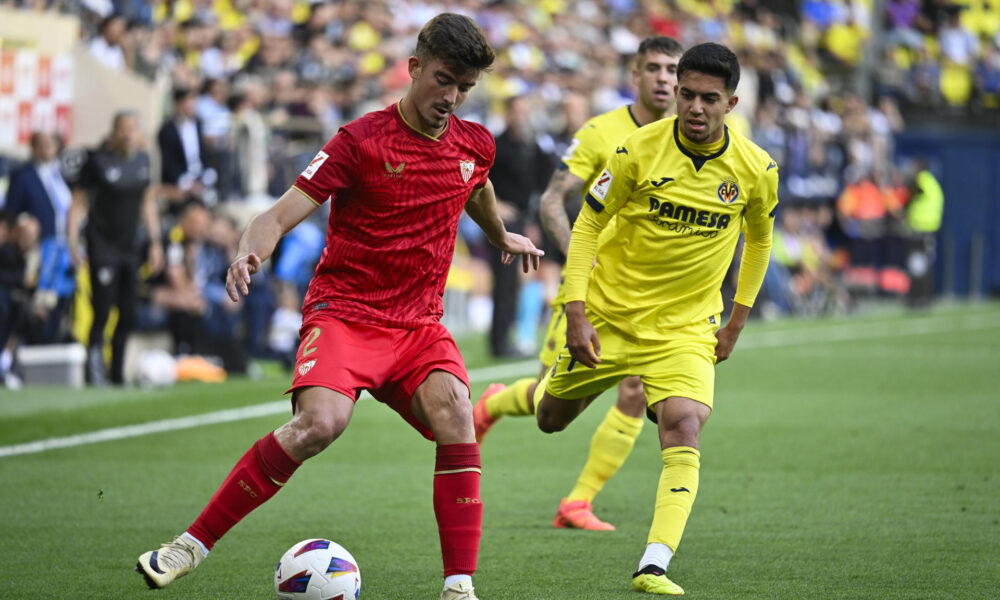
681 190
654 75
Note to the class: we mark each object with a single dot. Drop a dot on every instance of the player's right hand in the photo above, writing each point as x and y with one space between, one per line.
238 276
581 337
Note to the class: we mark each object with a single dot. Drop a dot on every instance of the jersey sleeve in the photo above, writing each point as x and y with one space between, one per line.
758 223
334 168
488 154
610 190
582 156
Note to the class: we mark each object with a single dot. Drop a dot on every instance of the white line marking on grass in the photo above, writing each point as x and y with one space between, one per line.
765 339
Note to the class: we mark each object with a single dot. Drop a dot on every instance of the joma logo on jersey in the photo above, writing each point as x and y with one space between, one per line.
729 191
686 214
391 171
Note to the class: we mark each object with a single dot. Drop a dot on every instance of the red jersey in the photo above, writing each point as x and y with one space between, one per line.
397 197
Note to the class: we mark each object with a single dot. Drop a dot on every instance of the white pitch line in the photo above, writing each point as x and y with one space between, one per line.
768 339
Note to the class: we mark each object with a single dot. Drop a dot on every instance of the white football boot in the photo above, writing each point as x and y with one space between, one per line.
173 560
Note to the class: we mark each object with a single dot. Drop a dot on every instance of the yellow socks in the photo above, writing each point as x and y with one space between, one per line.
609 448
512 401
675 495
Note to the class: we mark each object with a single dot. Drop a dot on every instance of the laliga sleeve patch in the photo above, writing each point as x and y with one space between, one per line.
602 185
571 150
315 165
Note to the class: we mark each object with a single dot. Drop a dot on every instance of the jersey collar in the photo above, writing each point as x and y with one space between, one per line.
628 107
421 134
699 160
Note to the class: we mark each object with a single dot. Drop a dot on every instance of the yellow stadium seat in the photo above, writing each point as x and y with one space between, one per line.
955 84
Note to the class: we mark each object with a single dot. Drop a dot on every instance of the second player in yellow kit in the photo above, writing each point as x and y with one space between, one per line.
663 220
592 145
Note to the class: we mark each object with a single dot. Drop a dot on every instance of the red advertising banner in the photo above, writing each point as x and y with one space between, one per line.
35 95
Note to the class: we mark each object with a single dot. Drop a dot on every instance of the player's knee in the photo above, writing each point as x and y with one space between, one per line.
631 399
683 431
548 422
456 405
316 431
447 413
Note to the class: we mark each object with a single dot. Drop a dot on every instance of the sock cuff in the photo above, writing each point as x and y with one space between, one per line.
273 460
452 458
681 455
623 422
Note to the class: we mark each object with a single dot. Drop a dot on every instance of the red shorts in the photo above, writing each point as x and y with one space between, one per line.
390 363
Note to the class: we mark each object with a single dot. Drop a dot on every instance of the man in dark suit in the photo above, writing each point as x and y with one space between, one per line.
519 174
184 173
37 188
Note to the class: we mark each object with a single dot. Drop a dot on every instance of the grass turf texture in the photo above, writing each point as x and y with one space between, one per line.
863 467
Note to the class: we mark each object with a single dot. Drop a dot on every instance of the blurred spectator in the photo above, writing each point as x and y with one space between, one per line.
112 193
37 188
225 321
178 291
215 118
987 79
183 170
803 279
18 242
107 46
923 216
519 175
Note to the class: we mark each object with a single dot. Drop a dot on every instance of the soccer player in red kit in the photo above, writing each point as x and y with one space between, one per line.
399 179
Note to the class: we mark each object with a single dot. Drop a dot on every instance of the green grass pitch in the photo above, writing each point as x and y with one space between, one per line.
848 458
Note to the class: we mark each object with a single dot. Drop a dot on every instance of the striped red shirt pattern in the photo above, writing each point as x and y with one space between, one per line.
397 198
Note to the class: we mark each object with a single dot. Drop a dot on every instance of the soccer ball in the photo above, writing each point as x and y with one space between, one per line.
317 570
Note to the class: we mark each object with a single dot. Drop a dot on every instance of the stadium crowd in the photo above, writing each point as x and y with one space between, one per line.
267 82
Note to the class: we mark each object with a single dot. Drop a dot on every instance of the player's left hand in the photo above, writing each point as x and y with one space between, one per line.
726 337
513 245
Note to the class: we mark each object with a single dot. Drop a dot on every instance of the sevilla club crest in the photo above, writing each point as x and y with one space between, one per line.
467 167
306 367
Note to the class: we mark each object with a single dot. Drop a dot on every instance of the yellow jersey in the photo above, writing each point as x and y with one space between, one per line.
593 144
679 214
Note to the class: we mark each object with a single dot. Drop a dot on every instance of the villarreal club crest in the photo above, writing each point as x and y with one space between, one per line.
729 191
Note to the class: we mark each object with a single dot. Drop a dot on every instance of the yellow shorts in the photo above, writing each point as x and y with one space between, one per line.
683 365
555 335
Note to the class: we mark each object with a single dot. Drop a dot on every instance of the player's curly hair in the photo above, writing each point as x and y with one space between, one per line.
457 41
711 59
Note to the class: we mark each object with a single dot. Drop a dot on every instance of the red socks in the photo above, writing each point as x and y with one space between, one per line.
266 467
457 506
257 476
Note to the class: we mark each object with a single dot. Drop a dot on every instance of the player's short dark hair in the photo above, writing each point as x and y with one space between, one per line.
712 59
660 44
457 41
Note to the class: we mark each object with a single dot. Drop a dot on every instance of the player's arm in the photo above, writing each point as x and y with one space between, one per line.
76 215
563 187
758 224
612 188
482 207
151 217
261 237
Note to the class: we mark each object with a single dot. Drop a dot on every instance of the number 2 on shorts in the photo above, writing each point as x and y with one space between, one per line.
311 337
